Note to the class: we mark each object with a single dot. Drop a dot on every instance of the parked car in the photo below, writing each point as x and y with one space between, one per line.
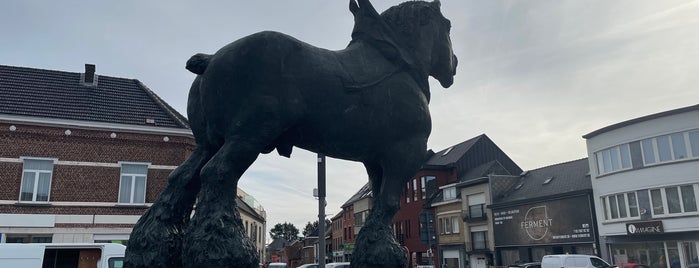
310 265
526 265
632 265
338 265
276 265
573 261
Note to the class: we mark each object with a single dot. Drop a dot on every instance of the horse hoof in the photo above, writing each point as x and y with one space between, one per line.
218 241
154 243
377 248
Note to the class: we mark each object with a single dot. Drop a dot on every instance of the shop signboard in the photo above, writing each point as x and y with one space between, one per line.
551 222
644 228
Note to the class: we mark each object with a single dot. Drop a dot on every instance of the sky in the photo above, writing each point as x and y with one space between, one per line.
533 75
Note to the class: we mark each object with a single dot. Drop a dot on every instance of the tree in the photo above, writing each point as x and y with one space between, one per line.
285 230
312 227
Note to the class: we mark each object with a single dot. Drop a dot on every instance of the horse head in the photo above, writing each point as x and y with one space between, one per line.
443 61
417 32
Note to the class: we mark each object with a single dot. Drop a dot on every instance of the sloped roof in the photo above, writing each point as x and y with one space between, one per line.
248 209
565 177
62 95
641 119
483 171
362 193
469 155
451 155
278 244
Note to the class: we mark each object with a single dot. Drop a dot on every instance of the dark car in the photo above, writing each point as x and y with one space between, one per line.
526 265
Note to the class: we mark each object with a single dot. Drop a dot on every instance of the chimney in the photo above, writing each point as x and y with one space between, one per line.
89 77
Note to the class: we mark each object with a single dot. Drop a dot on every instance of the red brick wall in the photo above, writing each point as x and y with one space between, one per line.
71 183
410 212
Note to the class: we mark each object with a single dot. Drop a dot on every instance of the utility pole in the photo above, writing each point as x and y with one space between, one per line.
321 211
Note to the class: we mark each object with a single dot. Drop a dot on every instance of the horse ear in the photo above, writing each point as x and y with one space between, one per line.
437 4
366 6
353 7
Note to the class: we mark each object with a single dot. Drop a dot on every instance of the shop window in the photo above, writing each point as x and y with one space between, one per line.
28 238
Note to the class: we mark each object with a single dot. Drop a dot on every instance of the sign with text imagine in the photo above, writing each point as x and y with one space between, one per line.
645 227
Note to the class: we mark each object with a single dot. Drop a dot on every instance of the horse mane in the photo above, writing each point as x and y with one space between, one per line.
407 16
393 33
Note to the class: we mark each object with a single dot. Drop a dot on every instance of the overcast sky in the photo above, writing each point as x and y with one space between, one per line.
533 75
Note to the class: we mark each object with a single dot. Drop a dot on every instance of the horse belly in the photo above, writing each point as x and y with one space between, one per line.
361 125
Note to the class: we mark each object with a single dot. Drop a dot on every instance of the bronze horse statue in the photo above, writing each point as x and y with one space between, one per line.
366 103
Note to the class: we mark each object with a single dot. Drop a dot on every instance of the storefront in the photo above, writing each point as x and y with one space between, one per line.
648 243
525 233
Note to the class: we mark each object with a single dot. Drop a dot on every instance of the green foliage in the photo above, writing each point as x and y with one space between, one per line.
311 227
285 230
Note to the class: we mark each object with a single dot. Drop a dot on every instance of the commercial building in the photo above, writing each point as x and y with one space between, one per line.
544 211
645 177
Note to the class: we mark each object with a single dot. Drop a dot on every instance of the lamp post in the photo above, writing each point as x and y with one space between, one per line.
321 211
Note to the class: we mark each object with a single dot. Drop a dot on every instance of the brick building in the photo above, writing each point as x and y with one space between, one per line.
457 164
83 155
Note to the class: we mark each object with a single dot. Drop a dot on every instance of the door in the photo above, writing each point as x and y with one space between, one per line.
690 254
478 261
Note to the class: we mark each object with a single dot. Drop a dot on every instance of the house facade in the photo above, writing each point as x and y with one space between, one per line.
83 156
438 190
645 176
338 241
548 210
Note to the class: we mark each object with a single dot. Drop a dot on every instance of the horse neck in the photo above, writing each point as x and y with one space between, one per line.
381 50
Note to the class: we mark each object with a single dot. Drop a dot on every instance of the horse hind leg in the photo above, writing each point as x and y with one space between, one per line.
156 239
216 236
376 245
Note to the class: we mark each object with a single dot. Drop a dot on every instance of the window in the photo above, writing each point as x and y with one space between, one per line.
36 180
450 193
132 188
445 223
672 147
674 199
613 159
427 186
479 241
407 193
598 263
476 206
415 193
620 206
455 225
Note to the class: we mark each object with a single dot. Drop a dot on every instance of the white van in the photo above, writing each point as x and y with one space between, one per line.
40 255
573 261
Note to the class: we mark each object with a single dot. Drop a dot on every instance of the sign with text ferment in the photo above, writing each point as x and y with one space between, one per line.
551 222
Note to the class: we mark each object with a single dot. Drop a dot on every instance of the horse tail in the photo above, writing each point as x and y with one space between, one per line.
198 63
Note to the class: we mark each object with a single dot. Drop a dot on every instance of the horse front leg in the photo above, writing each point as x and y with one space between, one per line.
156 239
